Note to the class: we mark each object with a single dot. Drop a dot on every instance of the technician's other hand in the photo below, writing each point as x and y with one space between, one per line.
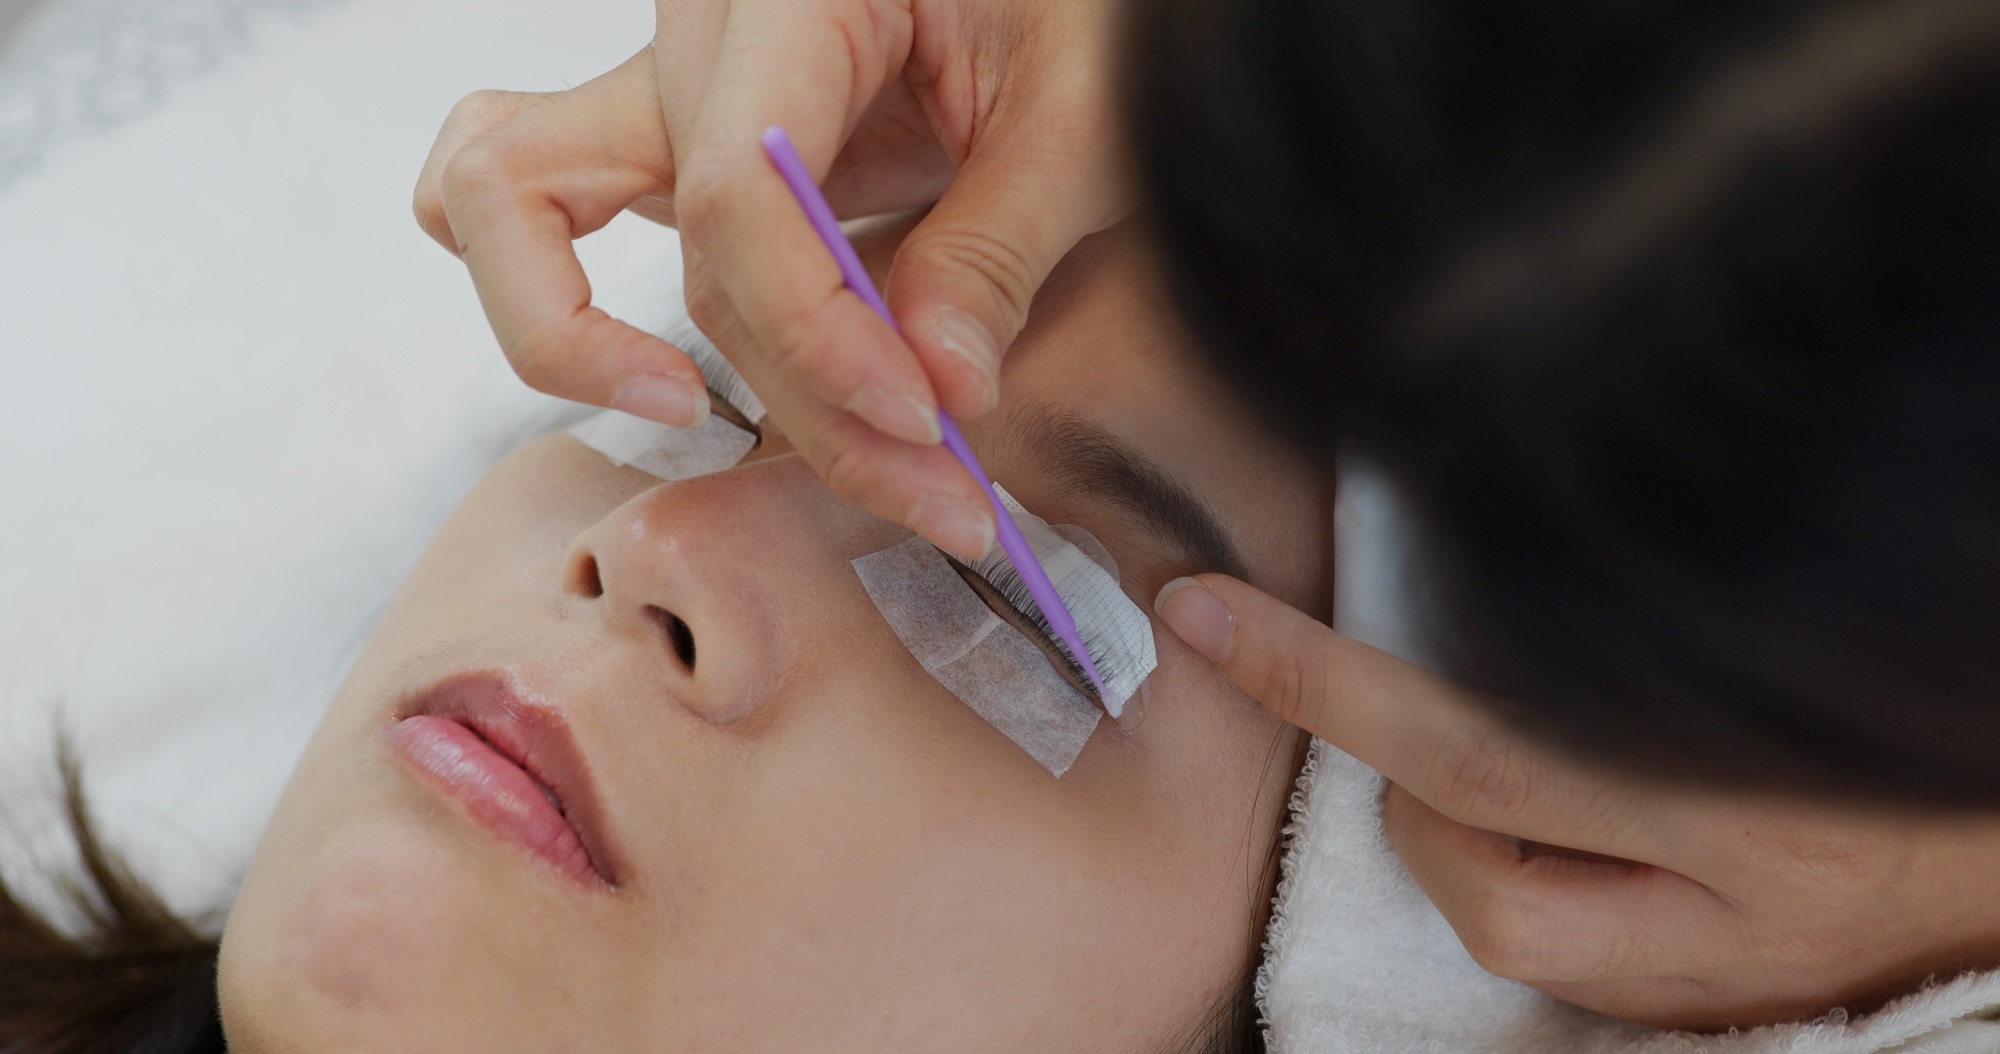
998 111
1674 907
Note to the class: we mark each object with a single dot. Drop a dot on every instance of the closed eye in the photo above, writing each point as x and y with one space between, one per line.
1031 624
720 406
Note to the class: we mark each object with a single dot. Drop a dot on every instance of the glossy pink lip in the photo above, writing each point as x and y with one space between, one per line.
513 765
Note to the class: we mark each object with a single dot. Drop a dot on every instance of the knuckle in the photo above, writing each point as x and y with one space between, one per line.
477 108
1297 685
994 260
428 206
1626 954
477 166
708 305
796 344
1504 935
802 347
1483 779
470 123
702 194
846 471
1833 865
539 357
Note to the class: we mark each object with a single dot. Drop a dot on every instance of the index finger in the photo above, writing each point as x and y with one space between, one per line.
813 67
516 197
1424 734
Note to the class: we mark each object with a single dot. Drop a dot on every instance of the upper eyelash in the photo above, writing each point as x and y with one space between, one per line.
721 377
999 572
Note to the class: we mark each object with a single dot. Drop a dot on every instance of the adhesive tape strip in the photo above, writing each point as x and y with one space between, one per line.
663 451
680 453
976 655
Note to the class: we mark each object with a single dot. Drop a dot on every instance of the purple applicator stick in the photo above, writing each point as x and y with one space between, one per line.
778 146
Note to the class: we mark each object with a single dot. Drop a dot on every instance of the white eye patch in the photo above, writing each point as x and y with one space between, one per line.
976 655
992 667
680 453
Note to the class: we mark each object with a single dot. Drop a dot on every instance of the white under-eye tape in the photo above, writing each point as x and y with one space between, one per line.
976 655
680 453
992 667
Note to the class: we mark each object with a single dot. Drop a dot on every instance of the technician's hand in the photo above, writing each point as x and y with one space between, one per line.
1674 907
997 111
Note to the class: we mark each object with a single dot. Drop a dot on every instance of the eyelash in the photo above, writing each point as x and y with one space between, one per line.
1013 592
729 394
721 405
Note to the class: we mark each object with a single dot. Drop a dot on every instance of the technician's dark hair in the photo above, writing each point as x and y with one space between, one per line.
1676 322
132 977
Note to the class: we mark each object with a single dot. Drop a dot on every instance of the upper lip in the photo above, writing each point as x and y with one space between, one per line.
496 705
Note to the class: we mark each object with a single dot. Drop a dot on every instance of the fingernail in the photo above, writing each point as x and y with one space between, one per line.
897 414
953 525
1197 616
962 335
668 400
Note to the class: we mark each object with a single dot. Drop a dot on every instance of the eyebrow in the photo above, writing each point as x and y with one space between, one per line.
1093 460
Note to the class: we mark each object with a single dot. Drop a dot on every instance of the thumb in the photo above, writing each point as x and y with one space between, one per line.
1394 716
965 276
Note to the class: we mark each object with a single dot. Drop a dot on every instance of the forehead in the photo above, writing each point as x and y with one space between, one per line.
1102 347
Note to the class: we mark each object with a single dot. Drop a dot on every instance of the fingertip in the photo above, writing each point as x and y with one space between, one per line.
1198 617
909 416
955 525
676 401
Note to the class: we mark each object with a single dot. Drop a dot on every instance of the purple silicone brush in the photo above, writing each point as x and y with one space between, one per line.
778 146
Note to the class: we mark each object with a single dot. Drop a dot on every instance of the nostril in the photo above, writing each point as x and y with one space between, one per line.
585 580
679 636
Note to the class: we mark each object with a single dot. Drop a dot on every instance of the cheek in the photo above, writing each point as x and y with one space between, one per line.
896 930
372 923
366 937
378 931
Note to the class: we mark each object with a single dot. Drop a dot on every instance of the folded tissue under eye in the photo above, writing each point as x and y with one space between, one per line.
680 453
987 663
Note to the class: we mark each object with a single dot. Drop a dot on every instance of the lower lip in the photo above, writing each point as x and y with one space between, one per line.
498 792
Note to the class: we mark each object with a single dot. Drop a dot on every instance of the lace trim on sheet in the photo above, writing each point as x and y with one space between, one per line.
81 67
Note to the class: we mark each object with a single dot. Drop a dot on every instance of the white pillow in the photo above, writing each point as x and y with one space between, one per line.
238 389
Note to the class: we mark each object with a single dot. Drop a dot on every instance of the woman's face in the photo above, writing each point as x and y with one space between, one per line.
801 841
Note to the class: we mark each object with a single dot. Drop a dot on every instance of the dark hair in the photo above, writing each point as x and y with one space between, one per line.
1677 324
1233 1026
132 977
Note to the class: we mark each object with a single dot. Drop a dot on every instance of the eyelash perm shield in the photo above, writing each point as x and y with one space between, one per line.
993 668
1120 636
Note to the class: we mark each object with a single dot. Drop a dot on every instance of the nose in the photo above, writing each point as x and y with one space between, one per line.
707 583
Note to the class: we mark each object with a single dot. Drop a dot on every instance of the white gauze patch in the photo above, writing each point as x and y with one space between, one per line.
991 666
976 655
680 453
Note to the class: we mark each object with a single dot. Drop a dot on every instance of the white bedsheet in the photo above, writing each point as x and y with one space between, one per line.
238 387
